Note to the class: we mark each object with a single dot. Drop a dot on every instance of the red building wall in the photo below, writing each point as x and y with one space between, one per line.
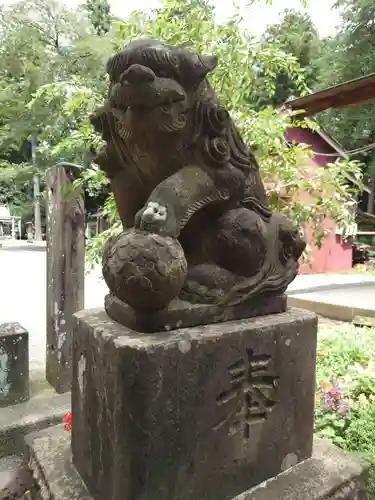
335 254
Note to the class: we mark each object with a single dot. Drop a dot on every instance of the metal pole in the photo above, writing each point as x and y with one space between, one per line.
37 218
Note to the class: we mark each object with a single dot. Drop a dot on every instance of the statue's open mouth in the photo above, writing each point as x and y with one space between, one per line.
139 87
146 95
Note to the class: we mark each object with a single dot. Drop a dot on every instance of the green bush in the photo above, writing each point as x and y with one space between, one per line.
345 409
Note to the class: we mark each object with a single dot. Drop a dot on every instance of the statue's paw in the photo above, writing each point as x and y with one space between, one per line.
207 284
198 293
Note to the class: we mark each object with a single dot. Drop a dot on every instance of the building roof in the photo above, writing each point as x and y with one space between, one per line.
348 94
351 93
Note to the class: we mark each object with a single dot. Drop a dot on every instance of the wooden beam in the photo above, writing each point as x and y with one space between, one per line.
349 94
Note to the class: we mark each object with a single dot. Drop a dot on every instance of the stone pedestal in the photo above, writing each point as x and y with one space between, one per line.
199 413
329 474
14 364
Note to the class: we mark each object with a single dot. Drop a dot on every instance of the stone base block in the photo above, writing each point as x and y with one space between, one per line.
14 364
181 314
194 413
329 474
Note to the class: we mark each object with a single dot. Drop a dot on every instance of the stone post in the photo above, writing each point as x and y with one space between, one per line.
65 270
199 413
13 229
29 231
14 364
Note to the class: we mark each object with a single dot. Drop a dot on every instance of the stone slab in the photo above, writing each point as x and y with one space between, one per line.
49 457
15 478
14 364
42 410
342 304
181 314
8 467
194 413
329 474
308 283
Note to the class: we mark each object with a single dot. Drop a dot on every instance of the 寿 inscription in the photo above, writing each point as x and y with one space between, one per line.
253 388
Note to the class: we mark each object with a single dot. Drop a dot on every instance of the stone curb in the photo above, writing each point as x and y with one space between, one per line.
330 286
39 412
330 474
333 311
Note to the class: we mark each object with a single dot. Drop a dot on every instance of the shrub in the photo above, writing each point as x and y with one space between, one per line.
345 402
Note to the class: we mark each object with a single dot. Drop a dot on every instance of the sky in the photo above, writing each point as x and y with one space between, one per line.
257 17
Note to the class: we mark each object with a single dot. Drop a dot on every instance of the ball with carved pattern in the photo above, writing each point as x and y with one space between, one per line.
143 269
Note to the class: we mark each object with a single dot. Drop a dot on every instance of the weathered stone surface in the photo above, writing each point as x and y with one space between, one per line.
40 411
16 479
328 475
199 413
182 314
49 457
14 364
65 270
8 467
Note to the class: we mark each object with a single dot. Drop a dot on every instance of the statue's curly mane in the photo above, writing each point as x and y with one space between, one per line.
222 144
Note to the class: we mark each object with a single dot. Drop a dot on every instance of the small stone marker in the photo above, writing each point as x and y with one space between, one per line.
14 364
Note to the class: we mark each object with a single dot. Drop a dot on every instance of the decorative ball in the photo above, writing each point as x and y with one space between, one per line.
144 269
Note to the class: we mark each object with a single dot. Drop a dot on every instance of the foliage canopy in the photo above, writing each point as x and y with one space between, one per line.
52 77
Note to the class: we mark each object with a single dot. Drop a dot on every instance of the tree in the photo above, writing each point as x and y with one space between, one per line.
66 94
350 54
43 46
236 78
296 35
99 12
26 52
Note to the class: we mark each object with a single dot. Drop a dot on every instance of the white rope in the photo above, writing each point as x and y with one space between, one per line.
349 153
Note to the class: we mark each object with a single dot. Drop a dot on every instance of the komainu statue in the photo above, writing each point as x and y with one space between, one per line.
197 224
